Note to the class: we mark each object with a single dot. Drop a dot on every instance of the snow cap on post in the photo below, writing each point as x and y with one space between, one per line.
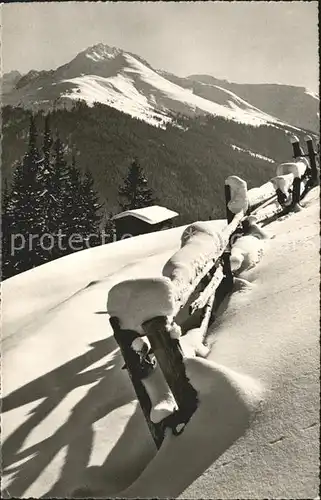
283 183
294 139
238 190
196 228
135 301
297 168
297 151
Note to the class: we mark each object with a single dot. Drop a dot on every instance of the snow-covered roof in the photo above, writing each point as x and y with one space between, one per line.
151 215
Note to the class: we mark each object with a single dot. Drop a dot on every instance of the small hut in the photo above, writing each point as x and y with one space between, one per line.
142 220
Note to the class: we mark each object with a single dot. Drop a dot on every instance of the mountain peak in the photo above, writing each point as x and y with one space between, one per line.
101 51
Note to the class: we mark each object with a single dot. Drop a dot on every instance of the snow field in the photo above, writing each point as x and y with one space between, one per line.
161 478
118 92
270 331
227 404
250 115
95 434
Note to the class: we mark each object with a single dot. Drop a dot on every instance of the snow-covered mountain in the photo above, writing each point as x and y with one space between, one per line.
128 83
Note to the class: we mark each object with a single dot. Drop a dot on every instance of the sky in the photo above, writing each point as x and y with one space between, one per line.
244 42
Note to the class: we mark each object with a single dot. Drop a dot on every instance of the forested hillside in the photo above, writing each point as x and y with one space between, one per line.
185 165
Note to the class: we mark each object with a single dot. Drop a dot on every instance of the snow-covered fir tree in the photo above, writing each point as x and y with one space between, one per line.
6 218
109 227
24 207
90 208
135 190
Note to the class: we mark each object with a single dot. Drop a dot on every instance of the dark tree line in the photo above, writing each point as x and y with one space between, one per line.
186 167
51 210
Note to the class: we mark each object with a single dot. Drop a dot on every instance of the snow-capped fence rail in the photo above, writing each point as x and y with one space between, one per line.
149 316
282 193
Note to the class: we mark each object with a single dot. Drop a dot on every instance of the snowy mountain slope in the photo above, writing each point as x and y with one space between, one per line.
69 412
295 105
128 83
130 88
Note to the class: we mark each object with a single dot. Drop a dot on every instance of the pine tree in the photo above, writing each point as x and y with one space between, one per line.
109 228
45 175
47 142
90 207
135 189
6 265
23 209
74 201
60 216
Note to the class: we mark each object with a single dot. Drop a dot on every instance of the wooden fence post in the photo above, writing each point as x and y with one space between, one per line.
296 194
297 151
227 254
229 280
312 161
229 214
170 358
138 369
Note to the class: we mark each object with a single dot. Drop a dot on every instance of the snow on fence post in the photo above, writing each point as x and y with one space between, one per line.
236 200
235 196
283 185
297 151
312 161
130 303
299 169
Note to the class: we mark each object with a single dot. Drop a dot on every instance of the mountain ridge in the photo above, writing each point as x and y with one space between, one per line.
127 82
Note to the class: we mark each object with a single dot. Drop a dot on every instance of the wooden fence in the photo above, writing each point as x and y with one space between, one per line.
195 281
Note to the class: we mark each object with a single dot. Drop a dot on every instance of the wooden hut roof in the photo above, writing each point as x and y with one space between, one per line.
151 215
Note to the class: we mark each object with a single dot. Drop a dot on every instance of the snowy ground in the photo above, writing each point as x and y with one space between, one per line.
271 332
69 413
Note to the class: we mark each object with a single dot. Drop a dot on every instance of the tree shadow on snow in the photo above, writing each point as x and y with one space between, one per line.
135 469
134 453
112 391
123 465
